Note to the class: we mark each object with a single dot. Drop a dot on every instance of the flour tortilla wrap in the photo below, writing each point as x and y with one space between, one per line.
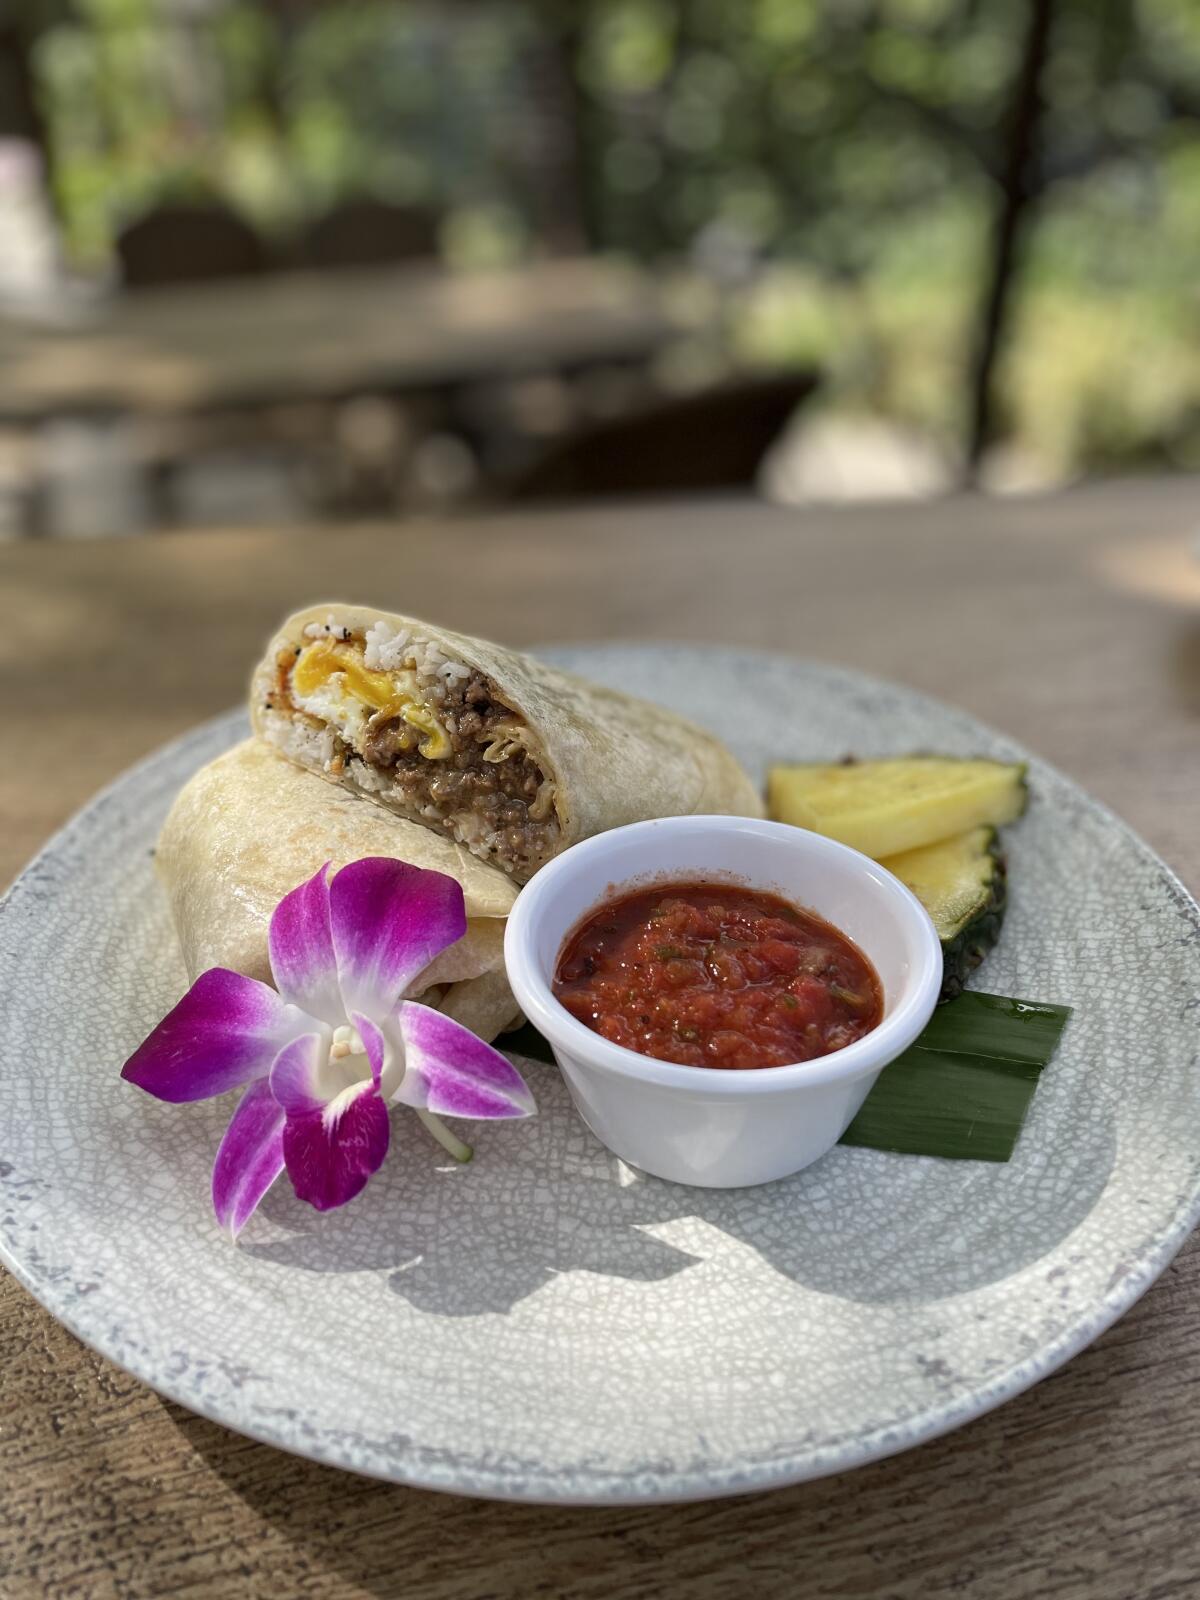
515 759
250 826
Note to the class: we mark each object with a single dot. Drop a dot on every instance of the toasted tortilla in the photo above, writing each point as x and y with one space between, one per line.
610 758
250 826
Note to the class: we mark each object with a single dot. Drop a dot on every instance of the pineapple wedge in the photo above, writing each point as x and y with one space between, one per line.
885 807
961 883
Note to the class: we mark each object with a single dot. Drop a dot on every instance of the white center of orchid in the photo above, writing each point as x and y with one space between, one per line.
346 1064
346 1042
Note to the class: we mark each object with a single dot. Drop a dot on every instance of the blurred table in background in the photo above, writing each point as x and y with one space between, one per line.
294 336
112 384
1072 623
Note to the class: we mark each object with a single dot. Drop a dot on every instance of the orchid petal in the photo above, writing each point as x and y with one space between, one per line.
374 1043
450 1071
336 1133
250 1157
389 920
225 1031
301 947
303 1080
331 1153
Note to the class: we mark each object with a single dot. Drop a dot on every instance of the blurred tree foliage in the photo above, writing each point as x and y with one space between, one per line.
832 165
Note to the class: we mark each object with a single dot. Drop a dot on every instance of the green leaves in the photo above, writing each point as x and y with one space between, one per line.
963 1090
994 1026
963 1108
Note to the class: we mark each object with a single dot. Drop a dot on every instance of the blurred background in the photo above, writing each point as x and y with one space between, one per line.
273 260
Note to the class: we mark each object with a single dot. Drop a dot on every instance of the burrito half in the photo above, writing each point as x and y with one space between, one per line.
250 826
484 745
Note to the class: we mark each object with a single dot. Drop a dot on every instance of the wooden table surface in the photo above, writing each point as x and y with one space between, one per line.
321 335
1072 623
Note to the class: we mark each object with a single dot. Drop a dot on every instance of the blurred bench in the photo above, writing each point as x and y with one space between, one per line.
369 233
715 438
189 244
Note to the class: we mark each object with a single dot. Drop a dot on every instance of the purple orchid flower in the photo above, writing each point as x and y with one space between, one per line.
334 1044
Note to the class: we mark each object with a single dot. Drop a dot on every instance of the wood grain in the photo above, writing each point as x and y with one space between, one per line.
1061 621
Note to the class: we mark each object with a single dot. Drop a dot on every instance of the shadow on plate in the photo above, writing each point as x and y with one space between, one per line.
543 1198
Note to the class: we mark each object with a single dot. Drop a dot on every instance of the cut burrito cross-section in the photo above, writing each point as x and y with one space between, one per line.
513 759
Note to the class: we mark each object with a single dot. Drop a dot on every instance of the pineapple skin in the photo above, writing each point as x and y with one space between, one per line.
962 954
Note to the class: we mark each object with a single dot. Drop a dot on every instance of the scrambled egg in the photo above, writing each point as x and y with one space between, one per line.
330 681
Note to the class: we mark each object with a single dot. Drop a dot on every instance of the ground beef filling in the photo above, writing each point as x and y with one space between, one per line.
498 793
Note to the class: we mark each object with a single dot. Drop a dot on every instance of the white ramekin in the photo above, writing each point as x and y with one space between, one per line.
713 1126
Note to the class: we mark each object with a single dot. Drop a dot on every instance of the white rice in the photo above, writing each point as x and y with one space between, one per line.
366 777
388 649
302 741
329 629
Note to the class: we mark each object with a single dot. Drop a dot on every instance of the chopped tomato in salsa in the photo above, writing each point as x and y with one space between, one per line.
711 975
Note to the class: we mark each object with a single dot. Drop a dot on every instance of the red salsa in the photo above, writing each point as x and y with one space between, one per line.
710 975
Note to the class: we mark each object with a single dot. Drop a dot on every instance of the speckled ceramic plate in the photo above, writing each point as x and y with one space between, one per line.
544 1324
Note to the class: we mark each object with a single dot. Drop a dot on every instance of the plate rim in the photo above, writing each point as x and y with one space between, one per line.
610 1489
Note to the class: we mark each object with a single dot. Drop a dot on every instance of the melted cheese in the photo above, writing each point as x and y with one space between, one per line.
382 693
